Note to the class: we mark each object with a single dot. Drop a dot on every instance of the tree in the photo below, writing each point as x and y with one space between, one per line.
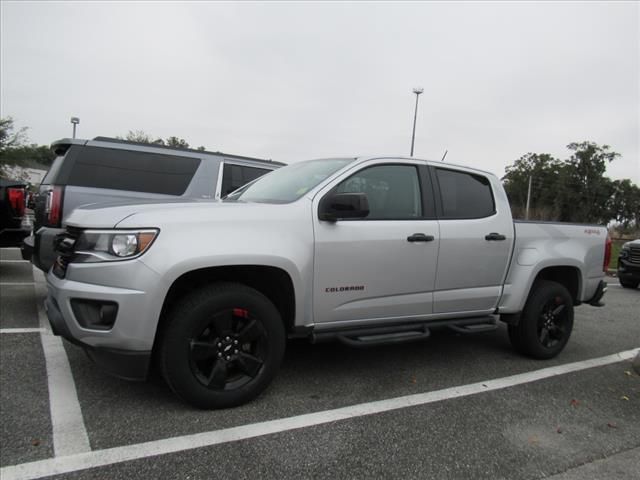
141 136
573 190
176 142
543 169
9 138
585 191
624 204
14 153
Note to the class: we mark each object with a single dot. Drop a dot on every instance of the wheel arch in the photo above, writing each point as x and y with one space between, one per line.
567 276
273 282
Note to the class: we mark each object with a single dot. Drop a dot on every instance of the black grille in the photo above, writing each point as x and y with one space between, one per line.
64 245
634 255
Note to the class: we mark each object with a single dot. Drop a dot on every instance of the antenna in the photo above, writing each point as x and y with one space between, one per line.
445 154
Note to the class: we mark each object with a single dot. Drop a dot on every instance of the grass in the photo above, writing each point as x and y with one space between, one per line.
615 251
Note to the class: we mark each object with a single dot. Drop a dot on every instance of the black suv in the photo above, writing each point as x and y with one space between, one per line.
107 170
629 264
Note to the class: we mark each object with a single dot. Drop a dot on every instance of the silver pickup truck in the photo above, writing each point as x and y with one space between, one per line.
361 250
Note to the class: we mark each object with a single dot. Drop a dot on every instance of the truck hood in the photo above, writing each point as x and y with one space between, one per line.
160 213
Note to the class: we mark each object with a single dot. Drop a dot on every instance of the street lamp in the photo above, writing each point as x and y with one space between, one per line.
417 91
75 121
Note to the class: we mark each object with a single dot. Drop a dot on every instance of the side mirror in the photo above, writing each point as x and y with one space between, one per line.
343 205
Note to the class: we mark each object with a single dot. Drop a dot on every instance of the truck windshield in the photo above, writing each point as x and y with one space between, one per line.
289 183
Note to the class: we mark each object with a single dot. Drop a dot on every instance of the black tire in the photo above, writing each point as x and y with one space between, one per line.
545 323
629 284
222 345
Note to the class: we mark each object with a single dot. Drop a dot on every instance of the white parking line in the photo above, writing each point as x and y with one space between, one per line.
69 433
15 284
13 261
99 458
21 330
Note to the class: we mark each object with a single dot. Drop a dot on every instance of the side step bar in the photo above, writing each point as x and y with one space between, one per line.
390 334
474 328
384 336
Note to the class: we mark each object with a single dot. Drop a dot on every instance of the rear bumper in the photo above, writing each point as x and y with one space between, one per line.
42 252
12 237
628 271
596 300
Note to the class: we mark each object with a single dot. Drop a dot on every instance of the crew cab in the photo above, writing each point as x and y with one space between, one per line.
361 250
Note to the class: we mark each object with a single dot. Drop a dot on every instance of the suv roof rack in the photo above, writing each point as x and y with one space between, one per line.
166 147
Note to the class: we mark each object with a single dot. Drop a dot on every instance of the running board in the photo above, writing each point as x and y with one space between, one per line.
475 328
372 338
406 332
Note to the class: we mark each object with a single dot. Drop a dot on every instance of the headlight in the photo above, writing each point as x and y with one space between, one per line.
111 245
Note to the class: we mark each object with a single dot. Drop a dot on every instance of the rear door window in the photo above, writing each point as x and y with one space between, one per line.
464 195
133 171
235 176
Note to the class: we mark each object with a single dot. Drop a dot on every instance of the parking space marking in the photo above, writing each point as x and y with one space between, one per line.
16 284
69 432
14 261
100 458
21 330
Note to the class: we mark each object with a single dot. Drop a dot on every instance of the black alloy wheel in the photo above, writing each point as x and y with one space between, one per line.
546 321
552 323
221 345
229 351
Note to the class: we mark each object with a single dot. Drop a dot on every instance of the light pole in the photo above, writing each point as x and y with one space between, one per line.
417 91
75 121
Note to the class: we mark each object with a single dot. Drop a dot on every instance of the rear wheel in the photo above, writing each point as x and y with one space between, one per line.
222 346
546 321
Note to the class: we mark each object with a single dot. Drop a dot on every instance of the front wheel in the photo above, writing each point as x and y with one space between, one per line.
222 345
545 323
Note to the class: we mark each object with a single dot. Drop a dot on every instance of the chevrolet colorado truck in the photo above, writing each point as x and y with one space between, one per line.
361 250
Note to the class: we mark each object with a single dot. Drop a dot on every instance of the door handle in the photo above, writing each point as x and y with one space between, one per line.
420 237
495 236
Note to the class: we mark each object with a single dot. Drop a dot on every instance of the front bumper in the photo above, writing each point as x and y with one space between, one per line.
628 270
123 350
125 364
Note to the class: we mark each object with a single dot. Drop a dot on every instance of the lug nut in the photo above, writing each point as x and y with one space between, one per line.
228 358
219 354
219 345
228 338
235 342
235 351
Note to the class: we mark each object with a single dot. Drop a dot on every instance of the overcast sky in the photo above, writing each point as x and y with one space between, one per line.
291 81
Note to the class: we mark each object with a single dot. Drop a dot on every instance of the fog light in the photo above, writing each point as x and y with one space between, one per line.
95 314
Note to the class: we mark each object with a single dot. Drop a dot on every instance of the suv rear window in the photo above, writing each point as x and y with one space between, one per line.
235 176
130 170
464 195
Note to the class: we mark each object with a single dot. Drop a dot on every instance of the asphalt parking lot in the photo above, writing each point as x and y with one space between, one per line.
454 406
